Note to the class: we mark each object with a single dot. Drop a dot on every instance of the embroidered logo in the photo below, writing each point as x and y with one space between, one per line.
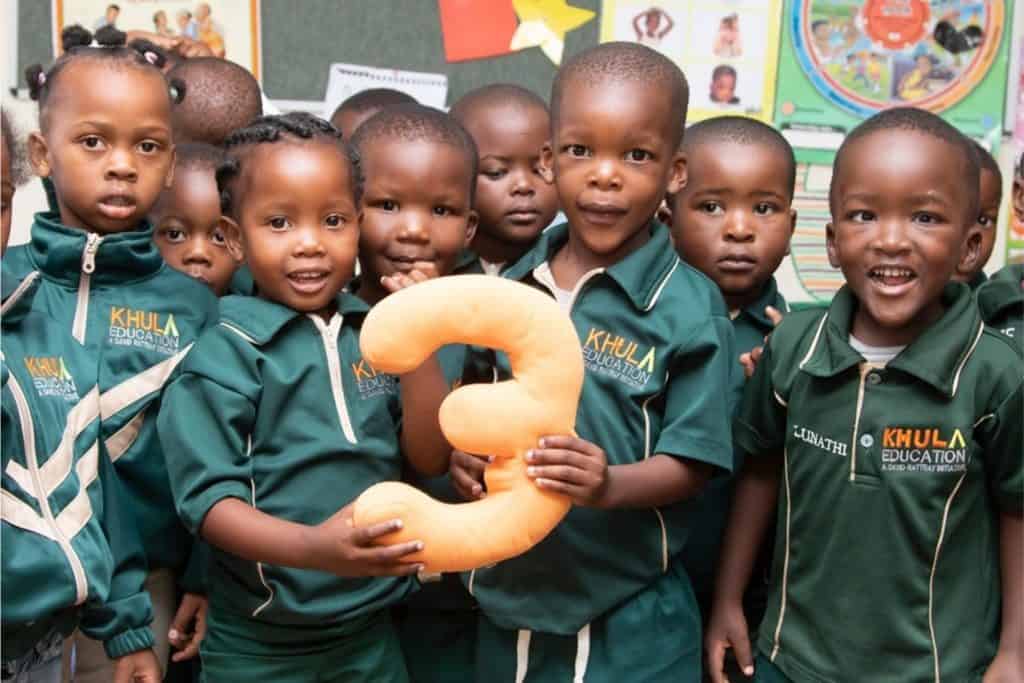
809 436
618 357
50 377
923 449
144 330
372 383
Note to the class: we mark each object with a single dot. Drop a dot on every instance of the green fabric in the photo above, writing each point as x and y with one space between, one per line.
766 672
140 315
242 283
57 378
891 480
978 280
439 646
364 650
258 387
658 350
653 637
1001 301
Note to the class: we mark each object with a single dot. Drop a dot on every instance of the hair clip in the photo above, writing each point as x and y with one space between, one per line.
41 78
151 57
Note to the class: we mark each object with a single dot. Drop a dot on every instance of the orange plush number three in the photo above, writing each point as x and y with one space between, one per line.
504 419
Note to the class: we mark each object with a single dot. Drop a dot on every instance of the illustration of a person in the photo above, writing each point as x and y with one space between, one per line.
914 86
109 18
187 25
656 25
210 32
857 70
160 25
821 33
874 70
728 42
723 85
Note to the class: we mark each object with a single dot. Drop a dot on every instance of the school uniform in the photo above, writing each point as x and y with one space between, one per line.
600 598
70 553
136 317
887 554
297 424
1001 302
700 556
977 281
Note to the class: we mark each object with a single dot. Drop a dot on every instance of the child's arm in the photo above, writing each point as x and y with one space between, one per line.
1008 664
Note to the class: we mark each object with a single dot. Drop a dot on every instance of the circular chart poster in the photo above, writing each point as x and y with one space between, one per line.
862 56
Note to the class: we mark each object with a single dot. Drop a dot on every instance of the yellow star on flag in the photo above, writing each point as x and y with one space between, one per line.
544 23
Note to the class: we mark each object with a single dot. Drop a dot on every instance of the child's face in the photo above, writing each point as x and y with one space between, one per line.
1018 199
733 219
898 231
613 161
108 145
298 222
416 212
515 196
723 89
990 196
188 229
6 197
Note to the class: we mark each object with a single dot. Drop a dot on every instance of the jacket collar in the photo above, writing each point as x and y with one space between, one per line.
936 357
769 297
17 297
261 319
1002 294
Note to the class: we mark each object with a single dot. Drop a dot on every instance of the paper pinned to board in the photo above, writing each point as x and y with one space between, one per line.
346 80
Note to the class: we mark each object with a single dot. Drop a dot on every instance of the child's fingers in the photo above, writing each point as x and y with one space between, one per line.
563 473
741 648
774 315
716 662
568 443
390 554
466 484
190 651
364 536
548 457
574 492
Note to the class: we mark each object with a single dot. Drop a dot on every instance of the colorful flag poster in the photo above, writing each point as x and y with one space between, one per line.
728 50
843 60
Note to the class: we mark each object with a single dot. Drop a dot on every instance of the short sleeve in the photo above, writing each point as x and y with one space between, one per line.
697 412
760 424
1002 438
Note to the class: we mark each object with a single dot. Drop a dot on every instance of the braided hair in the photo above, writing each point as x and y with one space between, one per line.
106 44
293 127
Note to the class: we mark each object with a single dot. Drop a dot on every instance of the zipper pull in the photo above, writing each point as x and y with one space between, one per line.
92 245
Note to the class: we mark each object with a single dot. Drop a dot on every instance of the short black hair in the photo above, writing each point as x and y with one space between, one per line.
220 97
918 121
722 70
988 163
496 94
265 130
745 131
113 50
416 122
374 98
627 62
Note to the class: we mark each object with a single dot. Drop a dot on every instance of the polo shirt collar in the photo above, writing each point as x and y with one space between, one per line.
936 357
769 297
641 274
17 296
261 319
467 258
1002 294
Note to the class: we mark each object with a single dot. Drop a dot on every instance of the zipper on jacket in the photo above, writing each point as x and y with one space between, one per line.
29 435
329 335
92 245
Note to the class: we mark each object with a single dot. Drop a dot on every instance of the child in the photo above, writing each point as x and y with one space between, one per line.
219 97
355 110
187 222
292 429
49 396
888 429
1001 300
416 160
990 194
733 222
515 196
105 145
723 85
599 599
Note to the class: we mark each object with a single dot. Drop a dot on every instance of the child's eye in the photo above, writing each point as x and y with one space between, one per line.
927 218
173 235
334 221
712 208
388 205
148 146
862 216
217 237
985 222
493 175
764 209
443 211
639 155
577 151
278 222
92 142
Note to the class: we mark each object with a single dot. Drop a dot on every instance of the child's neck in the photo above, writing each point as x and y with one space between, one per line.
739 302
493 250
370 290
576 259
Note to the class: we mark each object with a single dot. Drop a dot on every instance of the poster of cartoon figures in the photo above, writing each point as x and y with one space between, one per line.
230 28
728 49
844 60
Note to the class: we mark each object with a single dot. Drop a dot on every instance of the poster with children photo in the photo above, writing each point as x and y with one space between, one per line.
229 28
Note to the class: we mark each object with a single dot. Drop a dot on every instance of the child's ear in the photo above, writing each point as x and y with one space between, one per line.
792 229
830 245
38 154
232 237
678 175
971 252
169 180
472 222
546 167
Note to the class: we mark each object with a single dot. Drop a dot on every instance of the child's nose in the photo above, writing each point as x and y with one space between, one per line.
121 165
522 183
198 251
414 227
738 228
605 175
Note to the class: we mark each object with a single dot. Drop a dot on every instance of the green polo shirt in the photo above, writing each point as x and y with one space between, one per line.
658 352
887 551
296 423
1001 301
978 280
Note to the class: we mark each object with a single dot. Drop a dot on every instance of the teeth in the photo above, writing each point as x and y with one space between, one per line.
307 276
888 272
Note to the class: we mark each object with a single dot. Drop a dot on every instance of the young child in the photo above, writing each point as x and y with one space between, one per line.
723 85
733 222
355 110
1001 300
990 195
105 146
887 428
187 221
600 599
219 97
515 196
419 169
292 431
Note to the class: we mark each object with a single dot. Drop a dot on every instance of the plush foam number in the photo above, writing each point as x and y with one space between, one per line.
504 419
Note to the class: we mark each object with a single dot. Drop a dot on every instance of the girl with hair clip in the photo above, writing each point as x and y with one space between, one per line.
105 151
